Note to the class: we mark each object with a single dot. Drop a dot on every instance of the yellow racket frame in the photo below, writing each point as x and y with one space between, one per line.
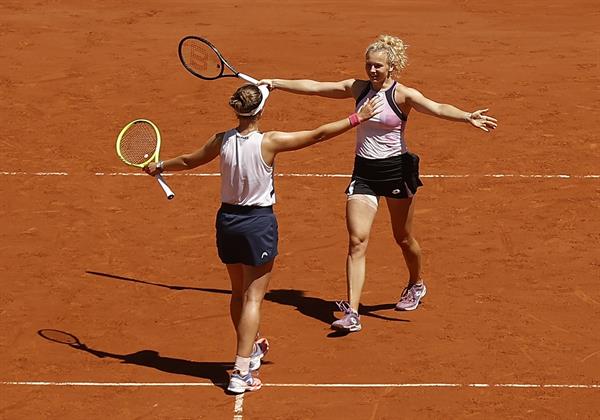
154 157
168 192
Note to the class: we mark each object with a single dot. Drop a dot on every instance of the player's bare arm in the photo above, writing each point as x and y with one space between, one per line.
276 141
200 157
415 99
336 90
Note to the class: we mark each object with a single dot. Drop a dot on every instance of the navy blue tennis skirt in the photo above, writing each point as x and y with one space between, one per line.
246 234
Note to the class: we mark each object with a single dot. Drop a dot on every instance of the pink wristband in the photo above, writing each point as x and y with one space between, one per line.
354 120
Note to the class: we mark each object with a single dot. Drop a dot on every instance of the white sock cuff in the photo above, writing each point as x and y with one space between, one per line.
242 364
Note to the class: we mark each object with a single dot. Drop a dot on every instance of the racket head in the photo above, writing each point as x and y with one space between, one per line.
138 143
61 337
203 59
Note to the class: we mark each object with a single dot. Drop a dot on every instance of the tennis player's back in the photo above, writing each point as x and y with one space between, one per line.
246 179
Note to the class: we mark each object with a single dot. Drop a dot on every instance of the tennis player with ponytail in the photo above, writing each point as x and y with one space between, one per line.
246 226
383 165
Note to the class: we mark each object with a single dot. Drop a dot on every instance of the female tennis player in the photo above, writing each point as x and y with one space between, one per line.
383 165
247 233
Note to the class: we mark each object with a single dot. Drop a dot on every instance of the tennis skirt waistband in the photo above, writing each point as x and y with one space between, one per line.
237 209
395 167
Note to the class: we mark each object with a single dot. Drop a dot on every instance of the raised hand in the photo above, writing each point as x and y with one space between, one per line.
481 121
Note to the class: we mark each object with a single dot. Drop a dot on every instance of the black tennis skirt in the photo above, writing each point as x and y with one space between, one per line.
394 177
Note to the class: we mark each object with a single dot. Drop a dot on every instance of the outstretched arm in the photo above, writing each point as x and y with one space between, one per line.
336 90
191 160
449 112
275 141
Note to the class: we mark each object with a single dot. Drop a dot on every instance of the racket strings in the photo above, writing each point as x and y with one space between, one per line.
138 144
200 58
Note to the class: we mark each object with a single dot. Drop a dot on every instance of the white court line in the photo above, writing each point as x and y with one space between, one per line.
332 385
238 407
36 173
315 175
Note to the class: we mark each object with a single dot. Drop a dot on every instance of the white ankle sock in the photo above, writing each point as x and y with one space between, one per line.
242 364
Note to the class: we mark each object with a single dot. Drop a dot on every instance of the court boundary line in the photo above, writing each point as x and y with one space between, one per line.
308 385
314 175
238 407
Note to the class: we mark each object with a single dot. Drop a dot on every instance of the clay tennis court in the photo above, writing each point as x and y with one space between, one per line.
508 221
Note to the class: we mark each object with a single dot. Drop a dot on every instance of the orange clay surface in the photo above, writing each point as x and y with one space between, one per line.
511 263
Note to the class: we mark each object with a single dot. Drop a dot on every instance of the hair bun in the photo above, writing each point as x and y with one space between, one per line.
245 98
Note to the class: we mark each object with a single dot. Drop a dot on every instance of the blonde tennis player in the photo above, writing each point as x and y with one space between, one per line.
247 233
383 165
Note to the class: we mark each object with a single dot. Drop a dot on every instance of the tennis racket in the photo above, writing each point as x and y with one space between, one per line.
61 337
138 144
203 60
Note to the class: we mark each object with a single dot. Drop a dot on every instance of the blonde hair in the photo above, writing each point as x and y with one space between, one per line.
245 99
395 49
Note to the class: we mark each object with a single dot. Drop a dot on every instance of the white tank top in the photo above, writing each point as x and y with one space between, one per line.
381 136
246 180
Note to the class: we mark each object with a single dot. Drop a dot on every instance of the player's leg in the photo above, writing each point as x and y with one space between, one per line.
401 215
256 283
236 276
254 286
360 213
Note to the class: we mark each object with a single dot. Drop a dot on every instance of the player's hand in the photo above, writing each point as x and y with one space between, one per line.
268 82
370 108
151 169
481 121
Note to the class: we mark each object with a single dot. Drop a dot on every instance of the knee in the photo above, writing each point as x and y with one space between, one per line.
404 240
252 304
357 245
254 298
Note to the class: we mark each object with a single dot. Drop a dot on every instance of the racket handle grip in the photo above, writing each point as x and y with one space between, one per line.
168 192
248 78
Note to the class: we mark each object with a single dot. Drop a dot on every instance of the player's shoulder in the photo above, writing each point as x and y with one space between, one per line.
359 86
225 134
360 83
406 91
400 87
270 135
218 138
